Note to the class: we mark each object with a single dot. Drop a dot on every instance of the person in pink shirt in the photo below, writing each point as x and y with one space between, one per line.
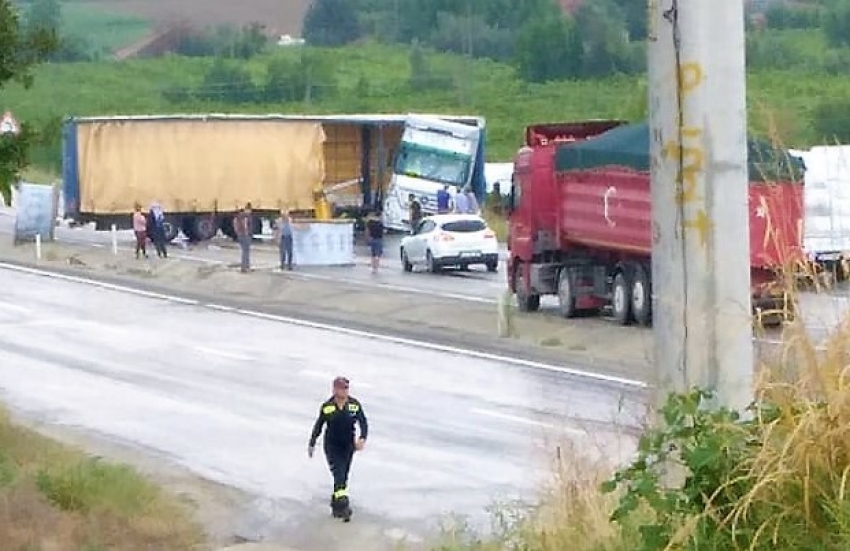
140 229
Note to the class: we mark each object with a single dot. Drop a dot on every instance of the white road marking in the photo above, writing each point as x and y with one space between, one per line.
519 362
14 308
192 258
530 422
330 377
224 354
221 308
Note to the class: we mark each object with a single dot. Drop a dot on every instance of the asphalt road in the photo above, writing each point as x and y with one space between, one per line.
450 434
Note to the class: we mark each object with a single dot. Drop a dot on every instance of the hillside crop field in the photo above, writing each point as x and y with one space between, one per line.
375 78
279 16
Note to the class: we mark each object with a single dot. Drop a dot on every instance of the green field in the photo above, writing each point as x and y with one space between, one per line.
105 31
374 78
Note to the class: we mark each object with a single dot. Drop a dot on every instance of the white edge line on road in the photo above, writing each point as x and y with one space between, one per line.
14 308
224 354
519 362
101 284
530 422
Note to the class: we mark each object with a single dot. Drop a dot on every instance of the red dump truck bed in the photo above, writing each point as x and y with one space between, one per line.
610 207
580 224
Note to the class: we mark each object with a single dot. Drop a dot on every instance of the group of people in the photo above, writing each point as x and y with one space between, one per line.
284 227
460 202
150 226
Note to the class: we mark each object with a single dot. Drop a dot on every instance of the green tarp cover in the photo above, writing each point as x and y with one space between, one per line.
628 146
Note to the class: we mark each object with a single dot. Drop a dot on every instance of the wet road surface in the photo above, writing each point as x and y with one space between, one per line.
233 399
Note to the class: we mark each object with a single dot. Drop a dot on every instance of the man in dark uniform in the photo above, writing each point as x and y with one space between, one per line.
340 412
415 214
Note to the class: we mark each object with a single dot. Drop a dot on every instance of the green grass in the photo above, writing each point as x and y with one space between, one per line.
374 78
106 31
56 498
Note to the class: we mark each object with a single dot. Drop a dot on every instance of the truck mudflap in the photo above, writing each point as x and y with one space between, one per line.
772 305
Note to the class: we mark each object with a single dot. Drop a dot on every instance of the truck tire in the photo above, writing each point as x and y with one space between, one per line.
171 229
621 299
524 302
642 297
566 294
204 228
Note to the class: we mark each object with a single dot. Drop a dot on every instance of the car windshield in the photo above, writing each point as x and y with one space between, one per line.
430 164
464 226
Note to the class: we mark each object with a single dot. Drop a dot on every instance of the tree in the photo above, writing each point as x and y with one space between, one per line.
44 15
549 48
20 50
331 23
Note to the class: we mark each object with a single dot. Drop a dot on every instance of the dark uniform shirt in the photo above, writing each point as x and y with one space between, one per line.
375 229
340 423
415 212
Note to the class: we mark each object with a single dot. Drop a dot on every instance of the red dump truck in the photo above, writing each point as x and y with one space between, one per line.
580 220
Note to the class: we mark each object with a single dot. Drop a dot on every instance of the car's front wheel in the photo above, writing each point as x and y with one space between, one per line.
433 267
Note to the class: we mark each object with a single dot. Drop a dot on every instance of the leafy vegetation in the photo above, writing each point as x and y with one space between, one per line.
20 50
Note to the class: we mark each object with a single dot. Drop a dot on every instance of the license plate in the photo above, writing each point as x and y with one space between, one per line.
469 254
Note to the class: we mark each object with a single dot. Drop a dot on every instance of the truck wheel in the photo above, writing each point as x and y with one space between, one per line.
566 294
405 263
204 228
525 302
621 299
493 267
171 230
642 297
433 267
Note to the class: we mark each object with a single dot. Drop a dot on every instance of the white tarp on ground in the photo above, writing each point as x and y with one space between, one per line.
827 200
35 212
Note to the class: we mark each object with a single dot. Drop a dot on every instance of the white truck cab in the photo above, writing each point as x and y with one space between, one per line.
434 152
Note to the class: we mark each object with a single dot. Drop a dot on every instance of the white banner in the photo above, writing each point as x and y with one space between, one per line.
36 209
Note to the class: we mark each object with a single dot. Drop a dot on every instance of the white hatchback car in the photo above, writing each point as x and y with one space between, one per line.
445 240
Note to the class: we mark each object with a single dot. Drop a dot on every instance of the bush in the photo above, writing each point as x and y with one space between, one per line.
831 120
224 41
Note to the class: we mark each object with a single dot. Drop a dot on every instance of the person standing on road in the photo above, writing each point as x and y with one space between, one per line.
375 236
461 201
283 235
472 202
415 214
243 224
341 412
140 227
156 229
444 200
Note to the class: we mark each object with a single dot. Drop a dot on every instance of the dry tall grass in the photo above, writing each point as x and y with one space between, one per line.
56 499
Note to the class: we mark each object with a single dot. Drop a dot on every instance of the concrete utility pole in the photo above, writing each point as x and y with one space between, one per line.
701 249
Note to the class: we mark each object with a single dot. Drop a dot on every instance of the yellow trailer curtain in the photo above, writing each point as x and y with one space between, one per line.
199 165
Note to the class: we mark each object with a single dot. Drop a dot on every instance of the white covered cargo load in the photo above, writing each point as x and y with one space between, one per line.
826 235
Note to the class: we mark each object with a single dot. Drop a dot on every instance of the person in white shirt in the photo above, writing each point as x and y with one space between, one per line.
461 202
472 203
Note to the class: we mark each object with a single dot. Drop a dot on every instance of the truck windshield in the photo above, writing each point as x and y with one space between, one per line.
432 164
